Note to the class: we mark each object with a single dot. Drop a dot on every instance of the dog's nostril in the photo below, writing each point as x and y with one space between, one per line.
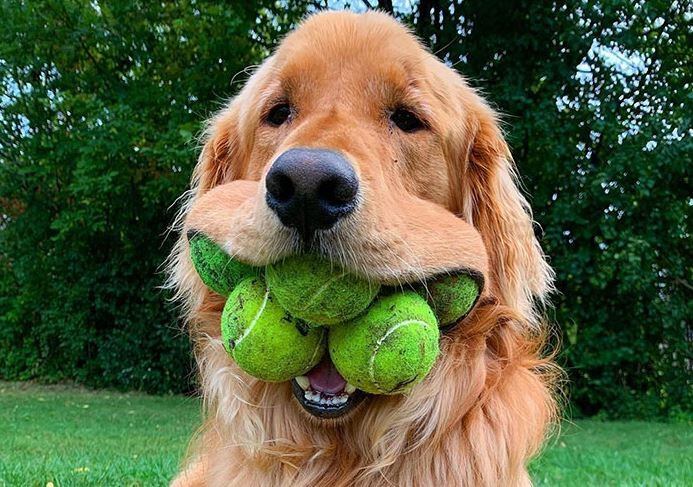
311 189
338 191
281 188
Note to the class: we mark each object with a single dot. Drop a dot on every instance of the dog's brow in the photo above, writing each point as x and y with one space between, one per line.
272 94
410 94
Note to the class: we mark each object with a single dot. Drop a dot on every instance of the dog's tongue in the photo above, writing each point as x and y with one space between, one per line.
325 378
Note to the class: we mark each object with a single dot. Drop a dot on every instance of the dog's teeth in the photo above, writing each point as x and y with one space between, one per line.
349 389
325 400
303 381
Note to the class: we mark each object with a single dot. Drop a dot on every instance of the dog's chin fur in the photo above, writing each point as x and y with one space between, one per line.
477 418
487 405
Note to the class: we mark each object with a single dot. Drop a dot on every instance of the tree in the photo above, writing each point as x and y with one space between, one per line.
595 100
102 102
101 105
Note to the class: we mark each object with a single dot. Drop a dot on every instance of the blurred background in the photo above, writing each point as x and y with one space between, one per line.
101 104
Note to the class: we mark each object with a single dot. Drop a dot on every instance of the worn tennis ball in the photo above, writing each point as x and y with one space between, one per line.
263 339
451 297
218 270
318 291
390 348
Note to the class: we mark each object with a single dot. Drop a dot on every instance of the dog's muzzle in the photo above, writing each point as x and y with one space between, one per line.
311 189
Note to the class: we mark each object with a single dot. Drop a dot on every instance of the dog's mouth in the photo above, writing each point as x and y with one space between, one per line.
324 393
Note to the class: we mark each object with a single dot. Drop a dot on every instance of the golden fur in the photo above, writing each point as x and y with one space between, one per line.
434 200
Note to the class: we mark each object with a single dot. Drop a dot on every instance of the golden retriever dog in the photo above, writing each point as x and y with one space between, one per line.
354 142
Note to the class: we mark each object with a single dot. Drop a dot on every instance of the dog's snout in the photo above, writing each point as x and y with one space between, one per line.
311 189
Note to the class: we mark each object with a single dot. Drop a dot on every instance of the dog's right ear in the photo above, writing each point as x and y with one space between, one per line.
221 158
228 137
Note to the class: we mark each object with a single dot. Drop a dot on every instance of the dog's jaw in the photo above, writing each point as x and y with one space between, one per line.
418 241
324 393
319 405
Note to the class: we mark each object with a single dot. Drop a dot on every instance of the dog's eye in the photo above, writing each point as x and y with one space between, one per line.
406 120
278 114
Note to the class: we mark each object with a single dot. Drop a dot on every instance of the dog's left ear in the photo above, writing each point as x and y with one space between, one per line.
490 199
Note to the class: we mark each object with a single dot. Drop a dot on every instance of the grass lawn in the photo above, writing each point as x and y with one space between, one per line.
634 453
69 436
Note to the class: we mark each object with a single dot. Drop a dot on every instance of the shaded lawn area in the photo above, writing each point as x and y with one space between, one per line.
71 436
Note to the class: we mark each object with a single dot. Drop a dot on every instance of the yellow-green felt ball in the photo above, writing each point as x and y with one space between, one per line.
318 291
263 339
390 348
451 297
218 270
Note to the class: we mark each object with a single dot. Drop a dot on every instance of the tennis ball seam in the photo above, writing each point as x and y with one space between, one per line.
318 346
392 329
258 313
321 289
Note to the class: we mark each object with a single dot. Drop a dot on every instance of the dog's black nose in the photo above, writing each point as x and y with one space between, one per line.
311 189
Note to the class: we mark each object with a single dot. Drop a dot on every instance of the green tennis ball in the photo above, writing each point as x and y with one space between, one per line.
218 270
319 291
451 297
263 339
390 348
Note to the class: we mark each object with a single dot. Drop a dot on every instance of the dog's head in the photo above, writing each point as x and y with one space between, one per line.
354 142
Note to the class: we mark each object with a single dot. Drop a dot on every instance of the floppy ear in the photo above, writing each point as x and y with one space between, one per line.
226 146
217 163
221 156
493 203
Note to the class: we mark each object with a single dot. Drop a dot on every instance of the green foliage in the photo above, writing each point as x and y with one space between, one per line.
596 99
101 103
102 100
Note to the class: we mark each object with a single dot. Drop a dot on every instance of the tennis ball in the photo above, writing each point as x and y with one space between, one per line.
390 348
218 270
318 291
263 339
451 297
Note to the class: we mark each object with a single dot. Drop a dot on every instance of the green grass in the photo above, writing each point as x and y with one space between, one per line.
633 453
69 436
